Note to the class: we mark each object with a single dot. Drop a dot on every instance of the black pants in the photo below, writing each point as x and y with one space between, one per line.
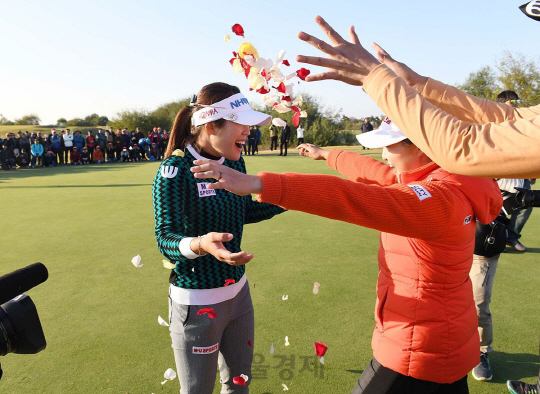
283 144
300 141
273 143
377 379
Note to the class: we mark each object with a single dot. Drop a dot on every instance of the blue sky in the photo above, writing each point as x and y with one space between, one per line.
73 58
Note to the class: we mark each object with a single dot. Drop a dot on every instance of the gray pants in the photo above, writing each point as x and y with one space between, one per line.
201 343
482 276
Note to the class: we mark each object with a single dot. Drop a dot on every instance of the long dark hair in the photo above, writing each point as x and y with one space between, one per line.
183 133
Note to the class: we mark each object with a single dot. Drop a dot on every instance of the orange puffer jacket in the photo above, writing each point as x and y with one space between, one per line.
426 323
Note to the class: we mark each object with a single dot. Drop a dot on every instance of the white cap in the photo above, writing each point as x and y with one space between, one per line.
387 134
235 108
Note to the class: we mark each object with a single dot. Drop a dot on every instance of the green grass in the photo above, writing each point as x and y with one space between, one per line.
99 313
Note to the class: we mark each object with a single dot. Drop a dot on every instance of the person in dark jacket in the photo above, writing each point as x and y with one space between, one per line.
85 156
22 160
6 158
285 136
118 143
252 140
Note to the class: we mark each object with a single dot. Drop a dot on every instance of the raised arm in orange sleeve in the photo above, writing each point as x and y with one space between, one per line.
507 150
395 209
360 168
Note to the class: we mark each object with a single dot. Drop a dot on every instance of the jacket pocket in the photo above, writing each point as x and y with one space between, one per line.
382 295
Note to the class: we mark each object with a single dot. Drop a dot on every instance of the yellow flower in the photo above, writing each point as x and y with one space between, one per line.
248 48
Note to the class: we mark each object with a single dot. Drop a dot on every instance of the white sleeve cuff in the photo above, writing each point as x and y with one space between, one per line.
185 248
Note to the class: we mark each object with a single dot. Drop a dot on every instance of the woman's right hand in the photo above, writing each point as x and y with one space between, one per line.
212 243
313 151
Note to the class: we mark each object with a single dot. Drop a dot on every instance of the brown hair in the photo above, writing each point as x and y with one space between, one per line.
183 133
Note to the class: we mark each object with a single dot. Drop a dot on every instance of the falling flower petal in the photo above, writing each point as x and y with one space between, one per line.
250 343
227 38
239 380
168 265
136 261
287 341
162 322
285 297
279 58
285 388
286 98
229 282
281 108
272 349
316 286
281 88
238 29
296 119
237 66
278 122
286 63
291 75
298 101
207 311
170 374
247 48
303 73
303 114
295 108
321 360
320 348
263 90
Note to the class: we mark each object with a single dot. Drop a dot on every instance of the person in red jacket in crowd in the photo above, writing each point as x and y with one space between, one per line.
425 338
155 138
75 156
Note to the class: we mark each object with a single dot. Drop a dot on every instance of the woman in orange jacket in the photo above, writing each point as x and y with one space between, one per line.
425 338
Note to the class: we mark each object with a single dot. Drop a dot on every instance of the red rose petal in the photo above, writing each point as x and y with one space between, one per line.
207 311
286 98
238 29
320 348
250 343
239 381
235 54
286 63
296 119
302 73
262 90
232 60
295 109
229 282
281 88
273 105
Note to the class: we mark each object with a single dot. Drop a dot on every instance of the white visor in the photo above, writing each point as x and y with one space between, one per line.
387 134
235 108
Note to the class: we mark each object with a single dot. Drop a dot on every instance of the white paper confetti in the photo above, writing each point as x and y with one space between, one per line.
162 322
136 261
287 341
285 388
272 349
168 265
316 286
285 297
169 374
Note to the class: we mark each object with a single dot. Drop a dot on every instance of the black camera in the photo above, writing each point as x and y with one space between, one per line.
20 328
524 198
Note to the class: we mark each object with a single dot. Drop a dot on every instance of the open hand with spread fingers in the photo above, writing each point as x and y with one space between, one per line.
347 61
229 179
313 151
213 243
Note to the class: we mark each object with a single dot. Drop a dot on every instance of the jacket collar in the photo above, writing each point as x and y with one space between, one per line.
418 173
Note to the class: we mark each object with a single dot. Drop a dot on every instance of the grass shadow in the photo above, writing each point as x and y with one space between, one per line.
513 366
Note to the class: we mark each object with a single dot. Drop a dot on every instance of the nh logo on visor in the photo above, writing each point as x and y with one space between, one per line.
238 103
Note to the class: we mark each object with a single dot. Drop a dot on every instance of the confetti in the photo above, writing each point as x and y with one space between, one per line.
285 297
286 63
162 322
170 374
240 380
229 282
302 73
168 265
320 348
316 286
285 388
272 349
227 38
136 261
287 341
207 311
238 29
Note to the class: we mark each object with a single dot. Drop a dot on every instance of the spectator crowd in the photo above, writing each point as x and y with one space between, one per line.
60 147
